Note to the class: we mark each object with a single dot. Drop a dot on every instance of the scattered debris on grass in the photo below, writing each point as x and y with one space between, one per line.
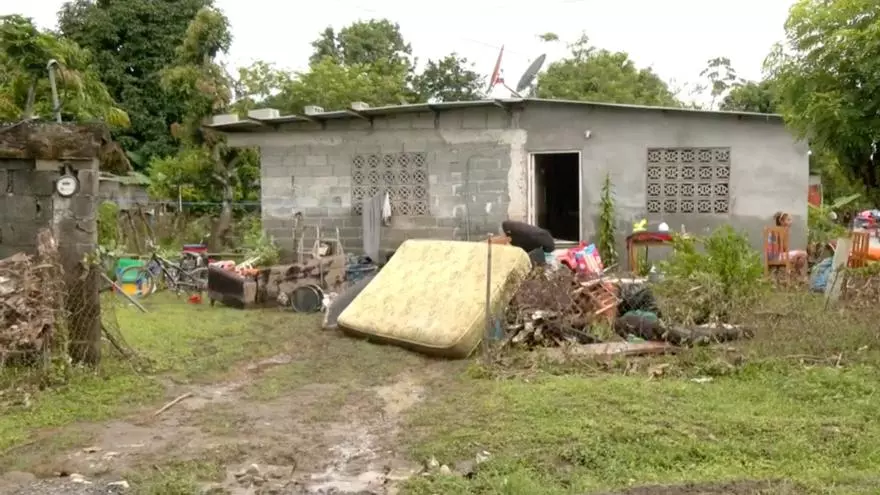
554 307
600 317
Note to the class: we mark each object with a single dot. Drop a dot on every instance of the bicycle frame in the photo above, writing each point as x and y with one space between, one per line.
171 272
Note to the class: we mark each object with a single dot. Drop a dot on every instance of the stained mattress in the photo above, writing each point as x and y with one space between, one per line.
431 296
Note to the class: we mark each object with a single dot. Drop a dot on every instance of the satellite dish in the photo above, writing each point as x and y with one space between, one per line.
529 75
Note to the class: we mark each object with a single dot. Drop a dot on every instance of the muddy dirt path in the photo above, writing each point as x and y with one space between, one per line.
321 438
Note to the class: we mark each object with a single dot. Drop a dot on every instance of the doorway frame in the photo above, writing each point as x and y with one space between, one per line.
531 178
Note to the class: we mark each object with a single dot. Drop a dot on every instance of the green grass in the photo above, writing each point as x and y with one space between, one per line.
197 341
574 434
797 402
182 341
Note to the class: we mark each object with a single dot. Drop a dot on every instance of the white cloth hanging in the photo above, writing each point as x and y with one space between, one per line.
386 209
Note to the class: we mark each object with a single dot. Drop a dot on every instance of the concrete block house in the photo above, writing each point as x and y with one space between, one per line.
455 170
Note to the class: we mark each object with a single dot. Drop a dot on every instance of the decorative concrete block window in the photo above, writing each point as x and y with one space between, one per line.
403 175
688 180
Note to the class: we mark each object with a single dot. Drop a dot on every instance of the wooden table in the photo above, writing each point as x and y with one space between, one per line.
644 239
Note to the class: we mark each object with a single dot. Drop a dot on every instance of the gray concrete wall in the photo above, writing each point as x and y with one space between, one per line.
28 203
127 196
25 205
477 161
769 171
467 153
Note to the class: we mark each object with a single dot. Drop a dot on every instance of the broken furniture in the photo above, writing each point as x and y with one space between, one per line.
321 247
231 288
279 283
601 294
643 239
297 285
861 250
776 252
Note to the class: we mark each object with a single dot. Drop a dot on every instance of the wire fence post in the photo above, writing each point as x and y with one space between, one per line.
488 332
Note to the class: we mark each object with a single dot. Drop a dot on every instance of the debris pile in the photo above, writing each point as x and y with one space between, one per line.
862 290
29 300
553 307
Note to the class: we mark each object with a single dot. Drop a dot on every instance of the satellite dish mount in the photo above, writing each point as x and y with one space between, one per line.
525 81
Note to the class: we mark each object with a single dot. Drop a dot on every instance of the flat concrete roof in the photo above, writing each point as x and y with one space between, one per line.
233 123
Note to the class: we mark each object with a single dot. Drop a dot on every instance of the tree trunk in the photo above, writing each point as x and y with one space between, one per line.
224 175
224 221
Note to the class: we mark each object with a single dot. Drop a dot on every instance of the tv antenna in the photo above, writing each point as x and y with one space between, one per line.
525 81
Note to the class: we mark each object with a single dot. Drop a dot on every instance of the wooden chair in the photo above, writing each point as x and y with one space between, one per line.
776 249
861 242
603 298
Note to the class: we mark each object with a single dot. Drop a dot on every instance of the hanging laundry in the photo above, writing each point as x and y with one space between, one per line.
386 210
372 223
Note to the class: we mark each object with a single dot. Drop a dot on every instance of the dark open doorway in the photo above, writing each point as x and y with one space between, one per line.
557 194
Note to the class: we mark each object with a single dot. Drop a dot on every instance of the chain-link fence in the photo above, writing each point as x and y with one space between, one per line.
51 317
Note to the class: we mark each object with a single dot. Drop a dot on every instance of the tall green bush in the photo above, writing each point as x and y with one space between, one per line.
607 224
712 283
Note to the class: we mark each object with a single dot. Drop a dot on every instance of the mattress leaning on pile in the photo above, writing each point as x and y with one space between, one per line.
431 296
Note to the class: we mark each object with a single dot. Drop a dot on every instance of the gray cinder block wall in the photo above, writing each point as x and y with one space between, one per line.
465 157
32 157
477 161
25 205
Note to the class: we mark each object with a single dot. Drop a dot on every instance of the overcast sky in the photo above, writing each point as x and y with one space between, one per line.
674 37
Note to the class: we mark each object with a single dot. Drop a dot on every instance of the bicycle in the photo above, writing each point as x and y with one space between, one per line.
159 273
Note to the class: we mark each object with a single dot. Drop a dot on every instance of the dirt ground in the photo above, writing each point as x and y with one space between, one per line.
322 438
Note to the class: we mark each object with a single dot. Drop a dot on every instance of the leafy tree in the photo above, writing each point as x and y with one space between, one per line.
364 43
592 74
721 77
370 61
750 96
132 41
258 84
827 81
332 85
25 91
451 78
206 166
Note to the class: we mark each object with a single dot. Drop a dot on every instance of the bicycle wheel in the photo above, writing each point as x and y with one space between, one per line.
193 280
142 279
